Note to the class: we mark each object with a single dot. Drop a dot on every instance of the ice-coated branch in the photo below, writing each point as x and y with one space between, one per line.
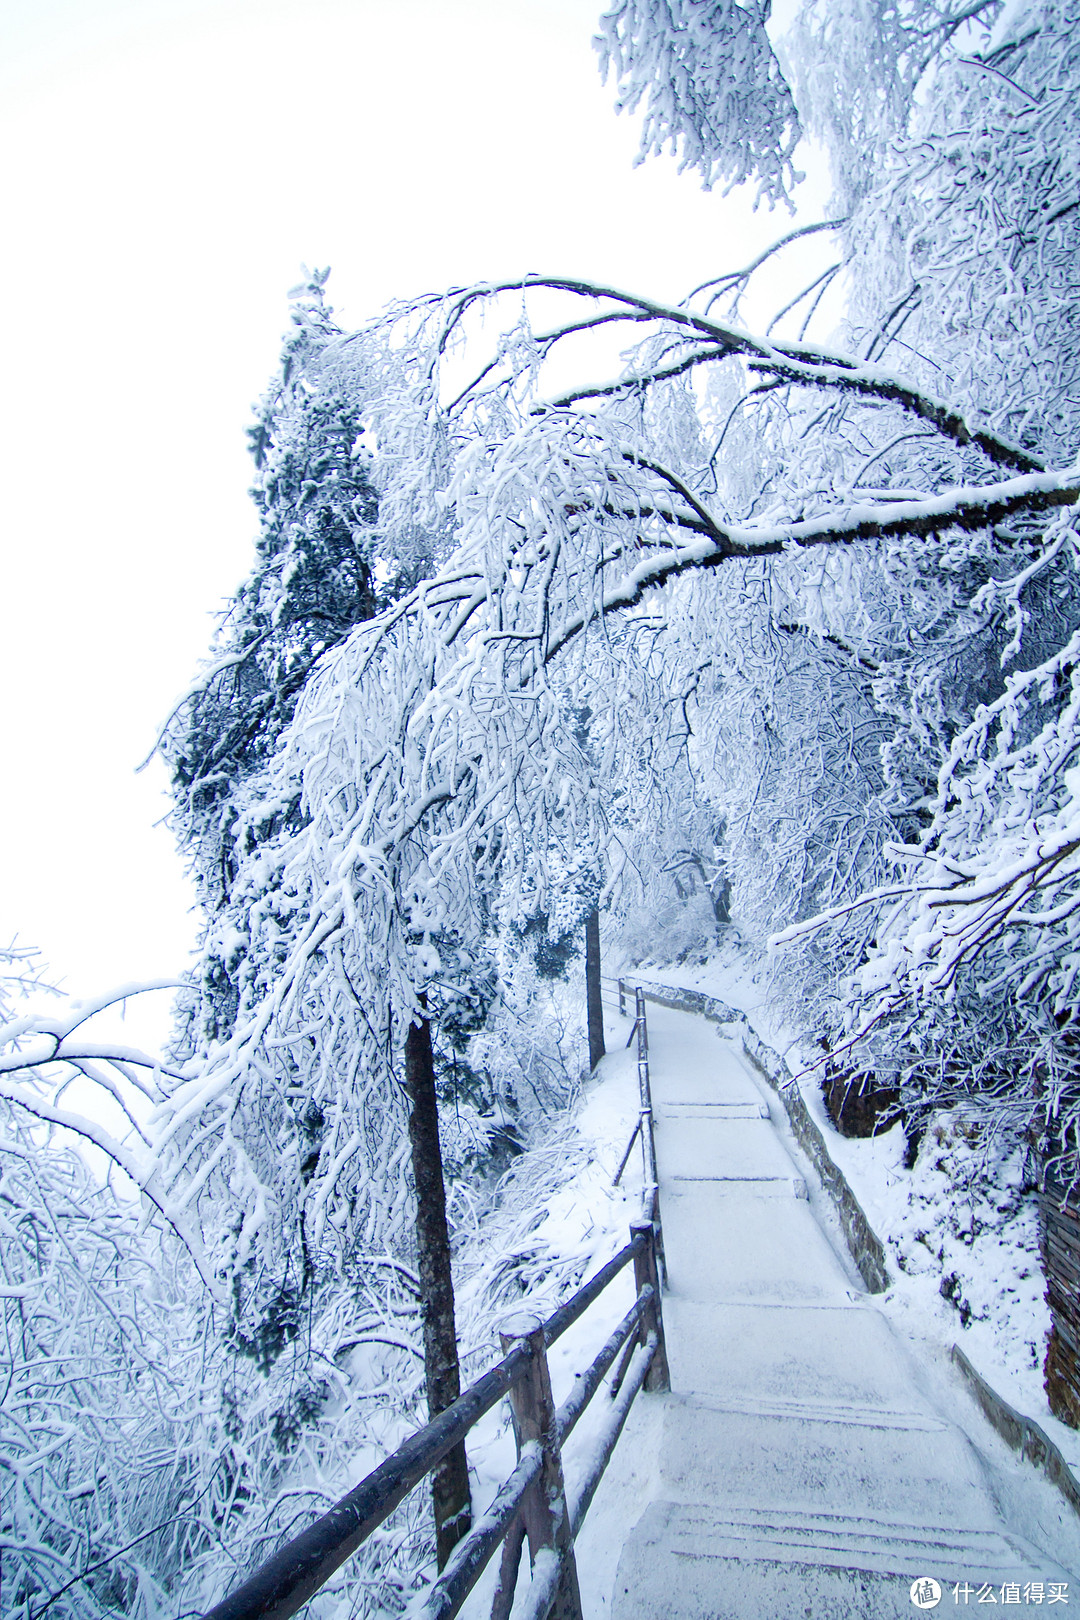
993 882
809 366
35 1102
43 1053
960 509
713 89
736 280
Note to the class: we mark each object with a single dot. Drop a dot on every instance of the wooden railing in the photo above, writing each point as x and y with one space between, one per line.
644 1127
534 1504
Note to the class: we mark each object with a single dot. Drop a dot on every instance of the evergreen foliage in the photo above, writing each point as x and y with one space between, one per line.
314 578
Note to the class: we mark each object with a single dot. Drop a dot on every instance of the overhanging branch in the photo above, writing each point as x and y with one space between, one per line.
793 362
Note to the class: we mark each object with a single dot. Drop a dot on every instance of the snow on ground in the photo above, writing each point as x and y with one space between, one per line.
558 1220
960 1228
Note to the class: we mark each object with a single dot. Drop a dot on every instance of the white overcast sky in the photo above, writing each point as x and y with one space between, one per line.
168 167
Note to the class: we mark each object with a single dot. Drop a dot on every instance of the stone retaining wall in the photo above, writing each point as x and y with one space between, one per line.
1022 1433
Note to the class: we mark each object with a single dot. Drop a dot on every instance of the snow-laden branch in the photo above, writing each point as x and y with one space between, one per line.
713 89
995 877
808 365
736 281
35 1102
434 752
43 1052
974 508
56 1032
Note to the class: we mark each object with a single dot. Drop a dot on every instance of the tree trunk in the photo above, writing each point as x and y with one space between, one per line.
592 988
450 1480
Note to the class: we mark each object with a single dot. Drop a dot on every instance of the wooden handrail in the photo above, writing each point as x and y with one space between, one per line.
644 1127
641 1365
648 1136
587 1383
287 1580
466 1562
566 1315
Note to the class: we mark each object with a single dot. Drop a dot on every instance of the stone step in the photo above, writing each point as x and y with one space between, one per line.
684 1562
766 1186
719 1246
853 1541
811 1411
818 1351
712 1110
717 1457
712 1145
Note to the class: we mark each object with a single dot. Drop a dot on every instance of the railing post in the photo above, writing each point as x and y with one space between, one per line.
646 1271
543 1509
622 998
648 1146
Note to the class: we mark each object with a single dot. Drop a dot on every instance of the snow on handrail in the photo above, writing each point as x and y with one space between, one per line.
531 1503
650 1194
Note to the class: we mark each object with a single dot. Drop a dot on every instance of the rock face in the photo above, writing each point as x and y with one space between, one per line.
1059 1211
857 1104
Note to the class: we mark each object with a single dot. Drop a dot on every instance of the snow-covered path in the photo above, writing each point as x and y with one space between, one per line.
798 1468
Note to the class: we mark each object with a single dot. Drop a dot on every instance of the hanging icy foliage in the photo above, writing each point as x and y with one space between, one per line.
712 87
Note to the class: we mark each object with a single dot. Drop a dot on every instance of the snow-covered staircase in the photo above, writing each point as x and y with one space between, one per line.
799 1469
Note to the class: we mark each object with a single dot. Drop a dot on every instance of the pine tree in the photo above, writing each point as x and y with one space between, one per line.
312 582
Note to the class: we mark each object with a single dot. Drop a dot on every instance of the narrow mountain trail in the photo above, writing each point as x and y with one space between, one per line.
801 1466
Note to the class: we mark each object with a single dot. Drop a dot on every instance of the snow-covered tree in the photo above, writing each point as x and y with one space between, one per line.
440 761
963 266
313 580
778 624
713 88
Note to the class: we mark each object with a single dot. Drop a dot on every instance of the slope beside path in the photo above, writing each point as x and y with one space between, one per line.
800 1467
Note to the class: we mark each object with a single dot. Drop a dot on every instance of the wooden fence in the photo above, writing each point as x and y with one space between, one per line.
533 1504
644 1129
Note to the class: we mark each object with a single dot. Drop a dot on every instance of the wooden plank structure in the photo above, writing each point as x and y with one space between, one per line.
1059 1221
533 1504
643 1127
